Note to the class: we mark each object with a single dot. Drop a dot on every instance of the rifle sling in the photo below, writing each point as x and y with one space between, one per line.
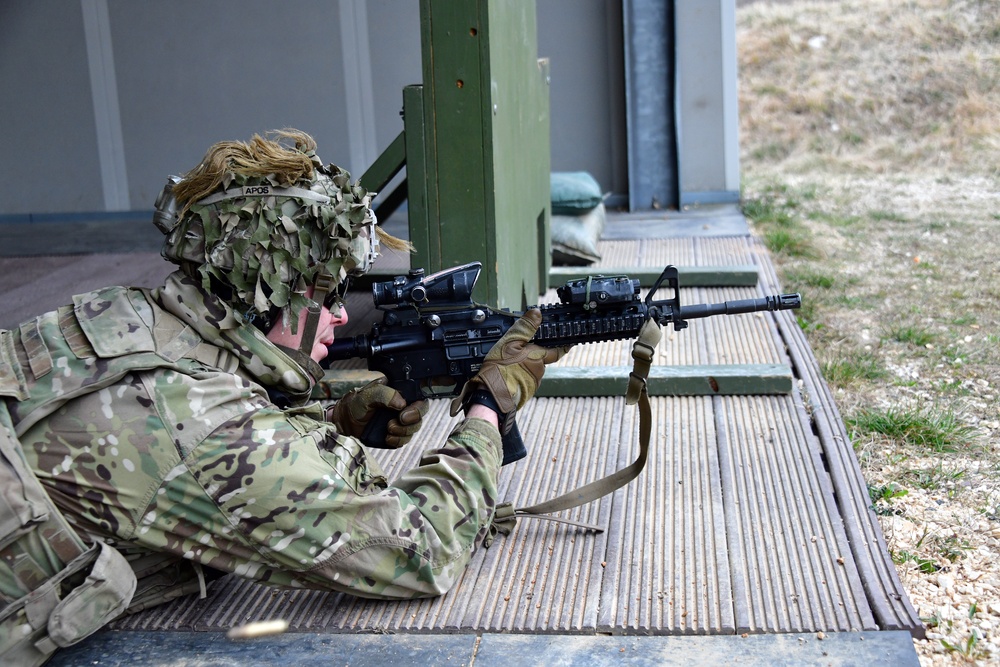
505 518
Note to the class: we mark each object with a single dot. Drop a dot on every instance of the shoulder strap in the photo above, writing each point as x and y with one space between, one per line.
505 518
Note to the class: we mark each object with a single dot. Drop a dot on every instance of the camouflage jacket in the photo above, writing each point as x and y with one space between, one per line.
146 417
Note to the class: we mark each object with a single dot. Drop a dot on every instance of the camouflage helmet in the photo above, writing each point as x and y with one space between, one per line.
261 222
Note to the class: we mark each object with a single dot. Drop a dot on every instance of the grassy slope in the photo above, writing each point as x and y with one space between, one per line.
871 157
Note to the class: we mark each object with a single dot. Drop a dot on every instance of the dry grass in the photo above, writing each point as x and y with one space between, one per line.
871 155
858 86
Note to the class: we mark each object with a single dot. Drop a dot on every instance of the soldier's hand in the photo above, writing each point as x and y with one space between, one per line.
352 413
514 367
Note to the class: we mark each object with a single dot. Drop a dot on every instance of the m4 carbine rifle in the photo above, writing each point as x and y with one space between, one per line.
432 334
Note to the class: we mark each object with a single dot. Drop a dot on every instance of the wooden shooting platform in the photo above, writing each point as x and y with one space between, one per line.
751 517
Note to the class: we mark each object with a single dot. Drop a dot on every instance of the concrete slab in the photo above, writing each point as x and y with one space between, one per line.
213 649
697 221
858 649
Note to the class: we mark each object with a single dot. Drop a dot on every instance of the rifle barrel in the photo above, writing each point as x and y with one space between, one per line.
777 302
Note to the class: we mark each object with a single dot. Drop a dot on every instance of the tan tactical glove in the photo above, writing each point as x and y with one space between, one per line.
512 368
352 413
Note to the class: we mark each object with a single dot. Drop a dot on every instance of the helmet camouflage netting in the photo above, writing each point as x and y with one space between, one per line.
261 221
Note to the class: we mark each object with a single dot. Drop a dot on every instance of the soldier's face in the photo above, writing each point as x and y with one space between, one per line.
281 335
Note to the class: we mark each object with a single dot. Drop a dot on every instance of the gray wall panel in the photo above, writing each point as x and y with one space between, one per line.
582 40
649 75
394 39
191 73
708 155
49 161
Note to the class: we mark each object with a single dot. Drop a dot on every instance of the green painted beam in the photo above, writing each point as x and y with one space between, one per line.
387 165
735 380
483 118
419 180
738 275
693 380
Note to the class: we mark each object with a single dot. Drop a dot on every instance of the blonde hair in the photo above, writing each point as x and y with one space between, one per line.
259 158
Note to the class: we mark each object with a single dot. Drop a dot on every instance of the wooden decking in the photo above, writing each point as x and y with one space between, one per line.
751 516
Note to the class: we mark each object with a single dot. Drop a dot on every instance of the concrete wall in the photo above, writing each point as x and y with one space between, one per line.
707 105
48 146
105 98
583 42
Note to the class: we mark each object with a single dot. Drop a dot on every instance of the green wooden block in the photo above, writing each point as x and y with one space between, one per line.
690 276
483 123
427 254
692 380
688 380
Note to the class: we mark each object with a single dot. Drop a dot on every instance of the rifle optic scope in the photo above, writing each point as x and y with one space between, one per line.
449 286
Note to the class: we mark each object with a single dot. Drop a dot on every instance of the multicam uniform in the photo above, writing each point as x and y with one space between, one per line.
149 423
167 424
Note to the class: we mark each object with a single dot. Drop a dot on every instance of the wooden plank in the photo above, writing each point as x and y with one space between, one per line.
485 111
668 561
457 171
693 380
890 604
847 648
688 380
516 115
190 649
690 276
792 569
419 178
500 649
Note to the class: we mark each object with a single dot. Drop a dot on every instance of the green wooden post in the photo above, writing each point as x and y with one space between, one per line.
477 147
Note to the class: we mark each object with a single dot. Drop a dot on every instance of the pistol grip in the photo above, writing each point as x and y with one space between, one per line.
513 445
377 429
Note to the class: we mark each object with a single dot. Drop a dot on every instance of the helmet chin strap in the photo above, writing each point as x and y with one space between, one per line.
322 286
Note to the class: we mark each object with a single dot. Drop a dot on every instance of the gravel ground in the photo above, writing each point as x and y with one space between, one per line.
899 282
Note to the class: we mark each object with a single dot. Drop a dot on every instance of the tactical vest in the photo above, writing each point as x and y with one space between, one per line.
57 588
